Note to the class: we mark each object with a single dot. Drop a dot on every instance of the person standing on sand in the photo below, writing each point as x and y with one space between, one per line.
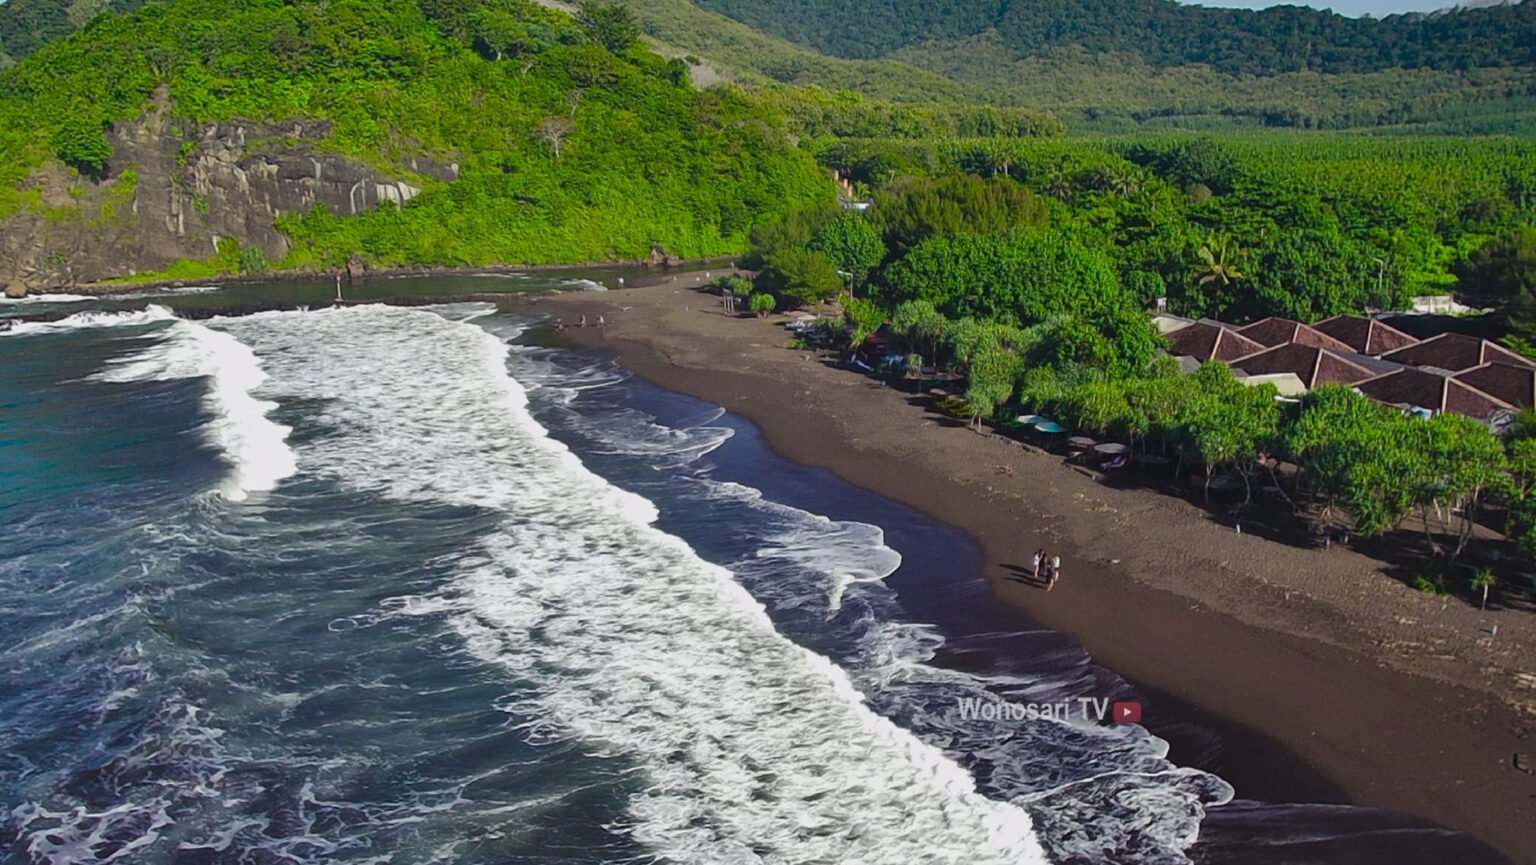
600 322
583 321
1055 572
1036 562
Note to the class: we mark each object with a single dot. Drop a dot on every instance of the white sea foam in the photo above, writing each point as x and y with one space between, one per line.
167 291
45 298
1101 793
255 446
751 748
91 319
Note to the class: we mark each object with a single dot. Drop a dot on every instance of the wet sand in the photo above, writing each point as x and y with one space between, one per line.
1325 681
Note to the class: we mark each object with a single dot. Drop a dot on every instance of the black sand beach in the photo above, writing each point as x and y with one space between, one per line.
1198 618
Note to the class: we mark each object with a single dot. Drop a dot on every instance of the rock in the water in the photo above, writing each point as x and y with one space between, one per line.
16 290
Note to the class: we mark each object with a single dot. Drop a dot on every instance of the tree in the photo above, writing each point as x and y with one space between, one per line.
1312 274
801 276
852 243
1218 262
1501 275
502 34
1016 279
919 325
1229 424
1482 578
990 381
1461 465
864 317
914 209
610 25
81 143
762 303
554 130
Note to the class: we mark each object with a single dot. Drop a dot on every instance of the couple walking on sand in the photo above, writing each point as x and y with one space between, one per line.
1052 566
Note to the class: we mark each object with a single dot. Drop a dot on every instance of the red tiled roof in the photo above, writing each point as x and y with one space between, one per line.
1365 335
1455 352
1515 385
1207 341
1279 331
1422 388
1314 366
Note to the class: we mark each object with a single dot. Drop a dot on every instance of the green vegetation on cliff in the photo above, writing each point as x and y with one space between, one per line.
571 143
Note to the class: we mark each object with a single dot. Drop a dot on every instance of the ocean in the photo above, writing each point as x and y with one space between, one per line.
398 584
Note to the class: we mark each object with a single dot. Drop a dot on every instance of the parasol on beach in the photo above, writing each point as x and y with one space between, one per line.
1111 449
1083 442
1031 419
1048 426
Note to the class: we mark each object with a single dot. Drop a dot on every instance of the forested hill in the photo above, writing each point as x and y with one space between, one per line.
220 135
1163 33
27 25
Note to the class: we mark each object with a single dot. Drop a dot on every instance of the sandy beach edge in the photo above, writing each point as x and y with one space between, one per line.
1348 728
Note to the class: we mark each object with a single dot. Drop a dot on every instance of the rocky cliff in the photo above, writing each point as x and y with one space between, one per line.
175 189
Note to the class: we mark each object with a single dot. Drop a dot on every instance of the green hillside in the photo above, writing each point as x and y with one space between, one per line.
1162 33
1102 66
1111 67
576 145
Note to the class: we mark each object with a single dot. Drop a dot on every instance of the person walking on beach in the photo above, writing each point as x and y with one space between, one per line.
583 321
1036 562
601 323
1055 573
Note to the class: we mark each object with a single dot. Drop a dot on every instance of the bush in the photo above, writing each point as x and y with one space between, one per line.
763 303
81 143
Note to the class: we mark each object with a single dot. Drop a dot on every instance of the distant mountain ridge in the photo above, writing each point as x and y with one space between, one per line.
1162 33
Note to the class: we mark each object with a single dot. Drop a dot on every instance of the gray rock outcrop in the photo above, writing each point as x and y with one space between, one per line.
174 189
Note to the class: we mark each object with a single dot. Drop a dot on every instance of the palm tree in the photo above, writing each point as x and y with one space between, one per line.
1058 186
1482 578
1218 261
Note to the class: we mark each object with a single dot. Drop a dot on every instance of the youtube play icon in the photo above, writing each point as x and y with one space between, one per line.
1126 713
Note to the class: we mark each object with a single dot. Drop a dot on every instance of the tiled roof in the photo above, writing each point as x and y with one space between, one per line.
1421 388
1455 352
1515 385
1206 341
1279 331
1314 366
1365 335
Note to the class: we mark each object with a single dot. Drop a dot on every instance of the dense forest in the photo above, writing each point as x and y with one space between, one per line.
1023 266
1315 224
1095 69
1163 33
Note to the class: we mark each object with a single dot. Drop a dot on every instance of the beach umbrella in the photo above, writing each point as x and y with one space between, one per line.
1080 442
1048 426
1110 449
1028 419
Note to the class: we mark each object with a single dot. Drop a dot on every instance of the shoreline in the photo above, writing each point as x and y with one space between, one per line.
1161 595
108 289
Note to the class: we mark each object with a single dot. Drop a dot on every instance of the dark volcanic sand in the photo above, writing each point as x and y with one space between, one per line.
1276 648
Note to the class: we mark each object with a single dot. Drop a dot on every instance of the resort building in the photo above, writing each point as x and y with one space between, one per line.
1451 372
1365 335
